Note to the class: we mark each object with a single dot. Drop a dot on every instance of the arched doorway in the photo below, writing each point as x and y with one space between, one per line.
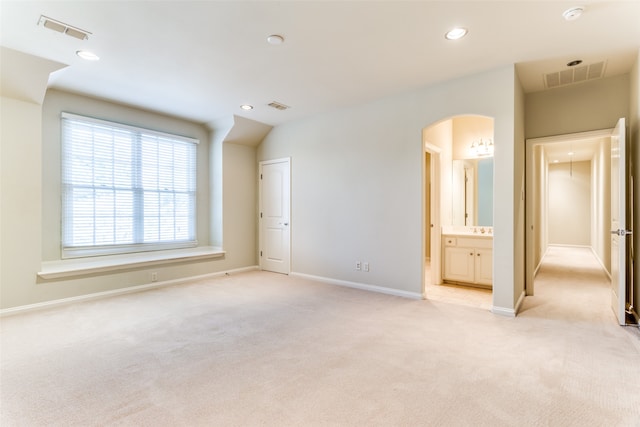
458 210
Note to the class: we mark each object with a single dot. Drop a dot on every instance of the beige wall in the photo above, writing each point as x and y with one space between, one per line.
21 191
357 183
518 243
600 206
577 108
31 200
570 203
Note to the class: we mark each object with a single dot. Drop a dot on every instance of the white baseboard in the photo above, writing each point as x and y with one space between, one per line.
509 312
362 286
97 295
502 311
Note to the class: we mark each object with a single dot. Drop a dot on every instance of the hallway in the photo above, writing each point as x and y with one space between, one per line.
571 285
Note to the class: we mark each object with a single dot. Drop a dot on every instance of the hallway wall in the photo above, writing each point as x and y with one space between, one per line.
577 108
570 204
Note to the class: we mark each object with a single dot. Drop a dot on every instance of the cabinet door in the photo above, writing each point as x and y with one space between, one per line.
484 266
458 264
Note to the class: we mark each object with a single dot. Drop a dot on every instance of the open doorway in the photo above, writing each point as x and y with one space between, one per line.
569 199
573 210
458 211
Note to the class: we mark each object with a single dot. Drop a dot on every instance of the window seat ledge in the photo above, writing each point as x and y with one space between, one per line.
105 264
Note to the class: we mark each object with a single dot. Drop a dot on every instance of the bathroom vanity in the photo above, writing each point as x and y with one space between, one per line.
467 256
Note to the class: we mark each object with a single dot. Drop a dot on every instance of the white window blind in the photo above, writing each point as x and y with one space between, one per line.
125 189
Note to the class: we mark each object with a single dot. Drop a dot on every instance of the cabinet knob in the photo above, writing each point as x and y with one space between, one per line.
478 254
471 253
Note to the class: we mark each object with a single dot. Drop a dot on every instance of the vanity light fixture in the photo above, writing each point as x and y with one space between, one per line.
86 55
246 107
482 147
456 33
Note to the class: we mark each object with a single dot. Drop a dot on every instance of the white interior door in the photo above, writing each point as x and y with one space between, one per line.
618 222
274 216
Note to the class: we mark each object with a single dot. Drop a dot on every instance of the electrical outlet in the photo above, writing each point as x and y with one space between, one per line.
365 266
154 277
358 266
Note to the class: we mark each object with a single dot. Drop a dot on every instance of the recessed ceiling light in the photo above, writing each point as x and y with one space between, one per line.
574 63
571 153
89 56
556 161
573 13
275 39
456 33
246 107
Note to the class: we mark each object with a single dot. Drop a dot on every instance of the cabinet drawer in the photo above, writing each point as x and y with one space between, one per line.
450 241
475 242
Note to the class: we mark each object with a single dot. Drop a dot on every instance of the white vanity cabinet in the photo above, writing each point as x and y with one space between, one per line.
468 259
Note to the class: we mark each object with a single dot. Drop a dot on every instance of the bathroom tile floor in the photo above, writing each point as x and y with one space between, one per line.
457 294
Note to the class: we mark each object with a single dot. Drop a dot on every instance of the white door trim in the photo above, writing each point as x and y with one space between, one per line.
434 206
530 165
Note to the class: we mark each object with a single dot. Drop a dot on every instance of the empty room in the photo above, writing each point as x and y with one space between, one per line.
323 213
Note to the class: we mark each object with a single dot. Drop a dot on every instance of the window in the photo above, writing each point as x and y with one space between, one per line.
125 189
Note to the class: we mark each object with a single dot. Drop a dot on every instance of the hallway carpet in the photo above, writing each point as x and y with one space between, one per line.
263 349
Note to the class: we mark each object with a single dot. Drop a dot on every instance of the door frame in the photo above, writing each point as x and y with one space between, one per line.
286 160
530 190
433 204
619 264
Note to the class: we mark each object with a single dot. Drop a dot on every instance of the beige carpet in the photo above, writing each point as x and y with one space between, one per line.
262 349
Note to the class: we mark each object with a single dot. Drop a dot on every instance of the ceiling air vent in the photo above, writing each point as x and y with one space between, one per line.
63 28
574 75
278 106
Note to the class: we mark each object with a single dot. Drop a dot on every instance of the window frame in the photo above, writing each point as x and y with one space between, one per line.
81 251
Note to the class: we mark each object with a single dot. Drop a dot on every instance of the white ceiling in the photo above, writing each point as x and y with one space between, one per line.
201 60
559 152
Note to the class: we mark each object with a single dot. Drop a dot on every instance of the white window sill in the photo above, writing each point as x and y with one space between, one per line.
105 264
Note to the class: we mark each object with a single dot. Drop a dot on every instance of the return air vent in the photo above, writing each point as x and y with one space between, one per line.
278 106
63 28
574 75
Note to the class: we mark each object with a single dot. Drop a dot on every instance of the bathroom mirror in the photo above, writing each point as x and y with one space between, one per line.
472 192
